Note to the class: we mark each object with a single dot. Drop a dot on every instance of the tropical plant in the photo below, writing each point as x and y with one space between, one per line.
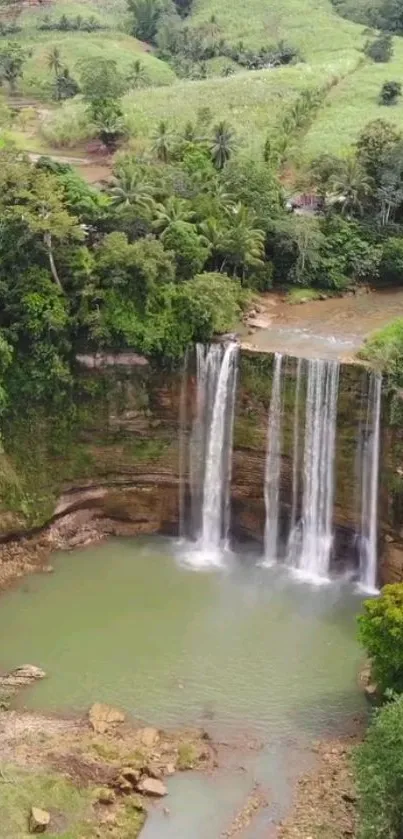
138 76
54 61
131 190
174 210
352 185
244 240
222 144
162 141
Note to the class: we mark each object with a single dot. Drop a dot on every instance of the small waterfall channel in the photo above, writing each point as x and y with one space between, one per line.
302 420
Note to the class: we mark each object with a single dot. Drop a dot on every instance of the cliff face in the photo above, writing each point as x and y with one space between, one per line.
111 464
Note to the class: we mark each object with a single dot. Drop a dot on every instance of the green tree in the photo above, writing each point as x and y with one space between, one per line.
54 61
381 634
374 146
12 60
243 242
174 210
100 79
190 249
138 76
381 49
352 185
130 189
162 141
146 14
222 144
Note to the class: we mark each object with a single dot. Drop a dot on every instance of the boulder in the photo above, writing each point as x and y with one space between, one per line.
131 775
153 787
39 820
149 737
103 717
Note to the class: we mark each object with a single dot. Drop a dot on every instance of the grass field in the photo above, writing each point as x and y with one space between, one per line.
252 102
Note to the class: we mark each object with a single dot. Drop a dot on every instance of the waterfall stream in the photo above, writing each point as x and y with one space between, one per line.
299 476
369 485
273 464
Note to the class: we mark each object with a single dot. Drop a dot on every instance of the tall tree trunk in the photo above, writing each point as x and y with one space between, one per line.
47 238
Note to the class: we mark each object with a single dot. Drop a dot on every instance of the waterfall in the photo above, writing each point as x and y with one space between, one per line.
182 446
210 461
293 534
318 465
273 464
369 485
221 381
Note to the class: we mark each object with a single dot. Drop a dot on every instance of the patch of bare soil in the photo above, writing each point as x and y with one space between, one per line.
325 801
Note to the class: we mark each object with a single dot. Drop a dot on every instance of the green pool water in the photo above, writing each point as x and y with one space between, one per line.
240 649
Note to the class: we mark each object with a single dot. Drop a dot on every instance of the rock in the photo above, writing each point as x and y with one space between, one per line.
123 785
149 736
166 811
103 717
170 769
39 820
389 538
21 676
153 787
131 775
47 569
153 771
106 796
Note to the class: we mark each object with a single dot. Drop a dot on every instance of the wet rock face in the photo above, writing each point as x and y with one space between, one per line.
119 470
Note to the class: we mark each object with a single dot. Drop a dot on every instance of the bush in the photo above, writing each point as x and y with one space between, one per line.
380 50
390 93
384 349
67 126
381 632
379 774
391 264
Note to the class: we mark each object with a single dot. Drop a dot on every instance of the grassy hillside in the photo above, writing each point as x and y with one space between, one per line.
251 101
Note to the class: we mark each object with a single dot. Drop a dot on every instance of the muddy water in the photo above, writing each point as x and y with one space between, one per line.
258 659
332 328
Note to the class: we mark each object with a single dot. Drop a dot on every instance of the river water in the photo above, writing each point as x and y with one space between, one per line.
248 652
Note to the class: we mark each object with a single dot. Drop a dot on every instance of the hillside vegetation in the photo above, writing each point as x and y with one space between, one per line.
329 52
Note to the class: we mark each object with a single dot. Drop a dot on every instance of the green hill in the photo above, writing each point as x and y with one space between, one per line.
252 101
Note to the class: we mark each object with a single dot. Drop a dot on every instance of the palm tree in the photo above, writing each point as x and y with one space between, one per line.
244 241
222 144
162 138
174 210
138 76
130 190
214 235
352 185
54 61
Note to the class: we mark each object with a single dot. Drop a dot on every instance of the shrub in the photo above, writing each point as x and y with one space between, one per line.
385 350
381 633
391 264
379 774
68 125
390 93
380 50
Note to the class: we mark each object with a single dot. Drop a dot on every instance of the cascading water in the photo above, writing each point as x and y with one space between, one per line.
211 450
369 485
318 464
273 464
294 531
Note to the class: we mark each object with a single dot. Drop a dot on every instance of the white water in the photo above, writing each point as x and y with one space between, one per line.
210 462
318 469
273 465
369 486
294 531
